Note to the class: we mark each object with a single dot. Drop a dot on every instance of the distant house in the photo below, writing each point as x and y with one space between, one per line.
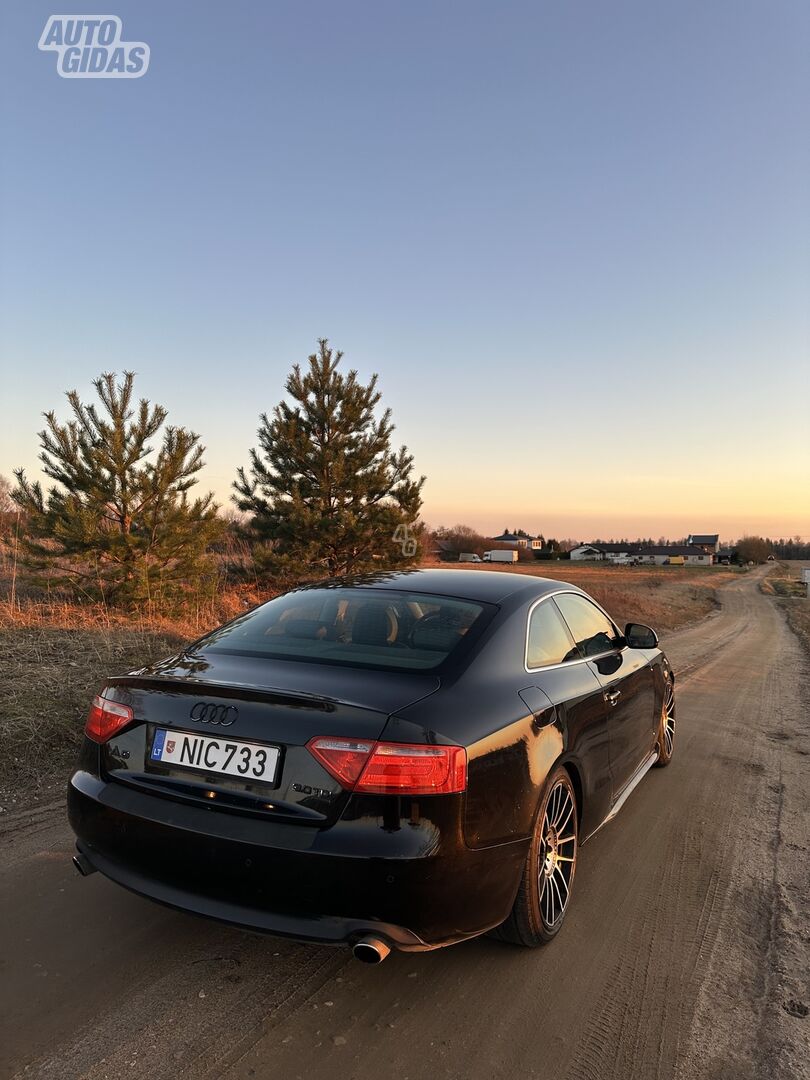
445 551
583 552
519 540
598 552
688 554
655 554
709 542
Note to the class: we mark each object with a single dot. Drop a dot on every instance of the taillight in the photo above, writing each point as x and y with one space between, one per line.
105 718
392 768
342 758
403 769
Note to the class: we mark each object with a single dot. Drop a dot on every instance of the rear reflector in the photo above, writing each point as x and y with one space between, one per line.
106 718
392 768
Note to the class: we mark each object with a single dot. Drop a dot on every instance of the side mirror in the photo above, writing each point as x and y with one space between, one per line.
639 636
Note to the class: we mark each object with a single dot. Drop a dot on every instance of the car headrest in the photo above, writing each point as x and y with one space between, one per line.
371 625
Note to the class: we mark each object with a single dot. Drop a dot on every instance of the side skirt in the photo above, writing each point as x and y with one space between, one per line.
628 789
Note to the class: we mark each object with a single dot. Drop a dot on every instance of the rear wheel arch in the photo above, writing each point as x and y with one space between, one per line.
575 776
576 780
665 669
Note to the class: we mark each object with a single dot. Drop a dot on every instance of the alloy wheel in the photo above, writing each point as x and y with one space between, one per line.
557 853
668 719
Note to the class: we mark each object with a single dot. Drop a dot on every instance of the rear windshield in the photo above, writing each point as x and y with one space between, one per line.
359 627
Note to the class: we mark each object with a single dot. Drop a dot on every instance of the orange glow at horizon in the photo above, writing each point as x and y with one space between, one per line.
632 505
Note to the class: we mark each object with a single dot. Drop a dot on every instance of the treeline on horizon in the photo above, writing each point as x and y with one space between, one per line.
465 538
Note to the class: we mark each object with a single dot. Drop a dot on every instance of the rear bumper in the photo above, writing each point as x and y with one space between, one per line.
291 880
325 929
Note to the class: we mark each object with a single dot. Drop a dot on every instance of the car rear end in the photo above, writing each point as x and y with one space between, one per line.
279 809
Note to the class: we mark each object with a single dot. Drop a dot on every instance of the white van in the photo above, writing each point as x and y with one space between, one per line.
501 555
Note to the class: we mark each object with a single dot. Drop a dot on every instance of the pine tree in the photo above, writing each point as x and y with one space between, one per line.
119 524
8 509
325 487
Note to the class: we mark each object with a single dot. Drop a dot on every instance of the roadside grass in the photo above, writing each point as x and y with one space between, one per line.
48 676
788 588
781 582
790 593
189 620
797 613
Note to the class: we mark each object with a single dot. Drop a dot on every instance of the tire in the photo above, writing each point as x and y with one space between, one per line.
544 895
666 726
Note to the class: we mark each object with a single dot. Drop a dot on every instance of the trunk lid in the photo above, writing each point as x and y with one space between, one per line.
236 699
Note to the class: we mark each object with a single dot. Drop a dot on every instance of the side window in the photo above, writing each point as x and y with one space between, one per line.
593 633
549 641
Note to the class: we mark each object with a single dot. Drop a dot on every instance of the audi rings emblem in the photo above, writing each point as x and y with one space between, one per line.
206 713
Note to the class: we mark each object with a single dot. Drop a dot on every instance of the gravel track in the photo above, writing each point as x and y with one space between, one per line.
685 953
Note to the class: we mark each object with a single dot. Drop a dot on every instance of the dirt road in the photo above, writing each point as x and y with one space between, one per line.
685 953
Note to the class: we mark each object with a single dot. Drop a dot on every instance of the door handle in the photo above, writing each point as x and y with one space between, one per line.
612 696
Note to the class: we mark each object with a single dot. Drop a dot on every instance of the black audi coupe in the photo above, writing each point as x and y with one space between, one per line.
401 760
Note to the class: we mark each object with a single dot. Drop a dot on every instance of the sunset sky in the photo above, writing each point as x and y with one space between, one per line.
573 239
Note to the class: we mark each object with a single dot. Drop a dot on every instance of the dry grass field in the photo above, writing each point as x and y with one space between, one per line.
798 617
665 597
785 584
54 656
48 676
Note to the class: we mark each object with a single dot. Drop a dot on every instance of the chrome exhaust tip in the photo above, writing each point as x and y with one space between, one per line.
83 864
370 950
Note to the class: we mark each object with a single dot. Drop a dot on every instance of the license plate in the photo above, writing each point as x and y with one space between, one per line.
251 761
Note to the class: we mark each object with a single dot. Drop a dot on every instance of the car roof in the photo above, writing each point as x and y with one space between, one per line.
488 586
